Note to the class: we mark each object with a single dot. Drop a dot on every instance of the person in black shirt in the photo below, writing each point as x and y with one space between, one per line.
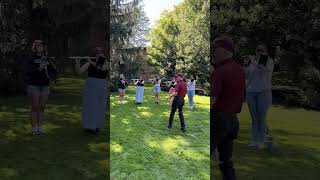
38 79
122 88
95 92
139 90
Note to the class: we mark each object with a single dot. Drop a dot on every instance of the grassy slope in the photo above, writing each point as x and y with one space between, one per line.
143 148
65 153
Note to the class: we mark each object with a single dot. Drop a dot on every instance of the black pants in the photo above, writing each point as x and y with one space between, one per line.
177 103
224 129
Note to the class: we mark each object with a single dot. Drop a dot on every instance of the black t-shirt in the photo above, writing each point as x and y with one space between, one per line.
140 82
94 72
156 81
122 84
38 70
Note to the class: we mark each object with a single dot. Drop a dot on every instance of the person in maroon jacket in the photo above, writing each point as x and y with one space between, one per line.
227 84
178 101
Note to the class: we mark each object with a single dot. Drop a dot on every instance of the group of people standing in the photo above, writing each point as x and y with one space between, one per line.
229 81
122 86
179 88
94 94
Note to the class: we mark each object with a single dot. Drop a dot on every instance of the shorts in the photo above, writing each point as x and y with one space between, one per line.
38 90
156 89
121 90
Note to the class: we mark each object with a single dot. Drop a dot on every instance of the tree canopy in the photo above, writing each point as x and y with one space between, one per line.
180 40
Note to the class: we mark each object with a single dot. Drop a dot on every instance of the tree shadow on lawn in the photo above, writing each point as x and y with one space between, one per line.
66 152
141 137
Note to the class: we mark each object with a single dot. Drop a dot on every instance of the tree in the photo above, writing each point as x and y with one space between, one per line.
290 28
163 52
180 40
128 28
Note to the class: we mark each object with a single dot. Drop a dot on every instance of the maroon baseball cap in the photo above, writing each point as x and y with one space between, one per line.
223 42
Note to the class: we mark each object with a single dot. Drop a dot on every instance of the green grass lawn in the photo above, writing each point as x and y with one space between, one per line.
143 148
141 145
65 153
296 134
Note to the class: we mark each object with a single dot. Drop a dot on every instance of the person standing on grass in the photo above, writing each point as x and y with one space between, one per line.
263 50
227 84
178 101
139 90
122 86
172 91
95 92
191 87
156 90
38 79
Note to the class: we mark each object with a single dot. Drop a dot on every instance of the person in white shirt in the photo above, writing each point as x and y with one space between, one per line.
263 50
191 88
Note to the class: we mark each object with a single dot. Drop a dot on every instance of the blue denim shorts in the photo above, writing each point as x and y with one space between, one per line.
38 90
156 89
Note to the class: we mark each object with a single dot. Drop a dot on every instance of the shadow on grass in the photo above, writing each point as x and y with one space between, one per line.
66 152
143 147
290 159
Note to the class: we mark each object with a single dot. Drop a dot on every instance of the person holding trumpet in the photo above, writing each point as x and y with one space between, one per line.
95 91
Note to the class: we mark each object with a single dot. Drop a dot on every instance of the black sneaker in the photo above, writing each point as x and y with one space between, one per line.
183 130
169 126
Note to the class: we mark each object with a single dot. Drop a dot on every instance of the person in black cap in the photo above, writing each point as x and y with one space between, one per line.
227 85
178 101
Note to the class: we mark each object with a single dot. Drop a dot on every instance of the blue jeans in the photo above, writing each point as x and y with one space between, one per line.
190 98
257 107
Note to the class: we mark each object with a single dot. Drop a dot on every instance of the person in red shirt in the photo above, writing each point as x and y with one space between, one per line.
178 101
227 84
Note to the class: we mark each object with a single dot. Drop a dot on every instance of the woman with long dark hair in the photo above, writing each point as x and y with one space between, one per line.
95 92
